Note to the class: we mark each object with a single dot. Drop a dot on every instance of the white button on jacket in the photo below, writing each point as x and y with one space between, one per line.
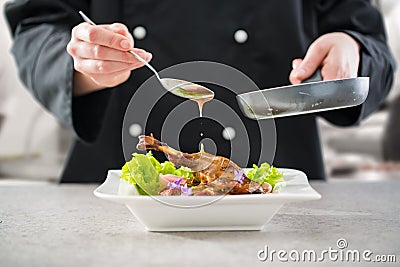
228 133
135 130
139 32
240 36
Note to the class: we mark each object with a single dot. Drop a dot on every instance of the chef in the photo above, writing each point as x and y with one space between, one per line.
84 76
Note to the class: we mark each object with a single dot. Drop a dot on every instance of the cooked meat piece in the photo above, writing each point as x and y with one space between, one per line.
218 175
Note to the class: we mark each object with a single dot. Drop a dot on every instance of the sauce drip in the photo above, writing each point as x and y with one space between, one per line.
201 148
200 102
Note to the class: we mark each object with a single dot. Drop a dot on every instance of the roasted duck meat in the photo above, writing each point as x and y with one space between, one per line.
213 175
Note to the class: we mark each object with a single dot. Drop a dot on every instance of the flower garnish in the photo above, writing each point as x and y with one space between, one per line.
185 190
238 176
175 184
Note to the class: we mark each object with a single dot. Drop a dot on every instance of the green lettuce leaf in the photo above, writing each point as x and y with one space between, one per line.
143 171
184 172
167 168
265 173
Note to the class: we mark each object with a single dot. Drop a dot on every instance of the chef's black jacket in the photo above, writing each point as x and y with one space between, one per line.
273 33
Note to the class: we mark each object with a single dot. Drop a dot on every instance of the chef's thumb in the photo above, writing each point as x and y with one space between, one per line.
123 30
293 74
303 69
296 63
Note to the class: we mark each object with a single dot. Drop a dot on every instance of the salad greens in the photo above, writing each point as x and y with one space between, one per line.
265 173
143 171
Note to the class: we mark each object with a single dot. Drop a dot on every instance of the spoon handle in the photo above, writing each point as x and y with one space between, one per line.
88 20
146 63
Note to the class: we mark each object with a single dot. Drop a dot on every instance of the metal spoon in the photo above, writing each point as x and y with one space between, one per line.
180 88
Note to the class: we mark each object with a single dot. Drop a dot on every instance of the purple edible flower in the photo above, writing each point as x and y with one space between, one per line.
186 191
238 176
175 184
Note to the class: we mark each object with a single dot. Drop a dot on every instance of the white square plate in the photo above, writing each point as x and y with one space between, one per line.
208 213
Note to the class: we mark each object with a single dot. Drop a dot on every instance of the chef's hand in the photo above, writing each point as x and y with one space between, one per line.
337 53
100 56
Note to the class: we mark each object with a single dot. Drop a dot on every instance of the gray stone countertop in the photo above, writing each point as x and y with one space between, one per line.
66 225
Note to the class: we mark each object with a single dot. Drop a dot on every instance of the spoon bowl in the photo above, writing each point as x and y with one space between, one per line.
186 89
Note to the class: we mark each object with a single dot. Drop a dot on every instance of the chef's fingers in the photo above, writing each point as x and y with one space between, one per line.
86 50
97 34
337 66
343 58
120 29
293 74
94 66
313 59
338 53
296 62
111 79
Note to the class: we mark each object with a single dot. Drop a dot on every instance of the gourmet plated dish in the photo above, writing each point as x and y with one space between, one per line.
197 174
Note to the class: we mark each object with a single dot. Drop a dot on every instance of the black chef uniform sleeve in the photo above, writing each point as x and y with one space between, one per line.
41 31
364 23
